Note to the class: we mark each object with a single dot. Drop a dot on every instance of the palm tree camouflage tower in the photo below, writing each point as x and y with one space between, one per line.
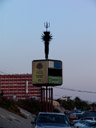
46 37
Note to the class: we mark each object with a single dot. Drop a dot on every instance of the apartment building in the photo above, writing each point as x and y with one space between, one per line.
18 86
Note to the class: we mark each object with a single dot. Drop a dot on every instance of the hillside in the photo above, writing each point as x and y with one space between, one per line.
11 105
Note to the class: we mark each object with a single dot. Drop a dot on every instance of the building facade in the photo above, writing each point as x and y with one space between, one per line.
19 86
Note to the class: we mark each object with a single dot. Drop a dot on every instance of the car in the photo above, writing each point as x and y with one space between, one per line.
51 120
34 98
89 119
89 114
85 124
74 116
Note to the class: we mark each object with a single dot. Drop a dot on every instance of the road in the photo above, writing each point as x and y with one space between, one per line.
11 120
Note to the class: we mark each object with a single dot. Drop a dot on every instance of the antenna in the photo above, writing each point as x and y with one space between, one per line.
46 25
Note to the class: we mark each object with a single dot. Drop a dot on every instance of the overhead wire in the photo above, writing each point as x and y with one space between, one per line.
82 91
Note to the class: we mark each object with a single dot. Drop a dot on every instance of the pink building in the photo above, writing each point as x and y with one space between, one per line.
19 86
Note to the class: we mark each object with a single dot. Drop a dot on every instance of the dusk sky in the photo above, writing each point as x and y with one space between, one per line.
73 26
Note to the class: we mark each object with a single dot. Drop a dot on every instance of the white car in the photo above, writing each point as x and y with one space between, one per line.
89 119
51 120
85 124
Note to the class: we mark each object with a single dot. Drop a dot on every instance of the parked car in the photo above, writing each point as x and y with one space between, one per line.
51 120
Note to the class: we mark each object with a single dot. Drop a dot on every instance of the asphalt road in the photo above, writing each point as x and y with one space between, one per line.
11 120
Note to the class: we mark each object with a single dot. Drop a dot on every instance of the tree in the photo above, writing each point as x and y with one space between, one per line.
69 105
79 104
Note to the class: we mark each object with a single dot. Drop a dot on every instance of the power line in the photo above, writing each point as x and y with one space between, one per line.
75 90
